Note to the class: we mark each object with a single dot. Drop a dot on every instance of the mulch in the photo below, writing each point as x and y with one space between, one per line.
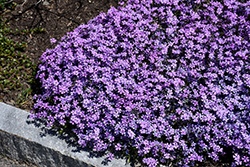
57 17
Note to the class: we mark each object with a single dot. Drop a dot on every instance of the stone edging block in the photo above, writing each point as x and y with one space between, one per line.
24 139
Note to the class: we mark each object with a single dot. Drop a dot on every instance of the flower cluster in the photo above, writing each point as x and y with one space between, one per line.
167 78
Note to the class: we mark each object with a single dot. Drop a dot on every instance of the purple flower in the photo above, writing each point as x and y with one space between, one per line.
245 159
237 159
110 156
53 40
156 77
151 162
118 147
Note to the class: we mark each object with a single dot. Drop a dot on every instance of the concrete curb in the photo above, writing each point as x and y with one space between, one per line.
24 139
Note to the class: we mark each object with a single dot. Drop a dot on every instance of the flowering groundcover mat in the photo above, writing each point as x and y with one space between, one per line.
166 81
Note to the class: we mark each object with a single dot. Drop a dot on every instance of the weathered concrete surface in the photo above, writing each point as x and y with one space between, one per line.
24 139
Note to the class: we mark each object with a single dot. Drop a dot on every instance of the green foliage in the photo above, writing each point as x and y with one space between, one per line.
16 69
23 97
7 4
24 32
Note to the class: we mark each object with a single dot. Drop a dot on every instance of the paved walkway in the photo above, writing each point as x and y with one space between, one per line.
6 162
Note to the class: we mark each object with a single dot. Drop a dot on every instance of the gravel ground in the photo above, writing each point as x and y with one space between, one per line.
6 162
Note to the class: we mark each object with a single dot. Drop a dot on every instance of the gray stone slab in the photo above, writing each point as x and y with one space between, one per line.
24 139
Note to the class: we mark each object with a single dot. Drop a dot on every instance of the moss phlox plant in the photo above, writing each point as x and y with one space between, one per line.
166 80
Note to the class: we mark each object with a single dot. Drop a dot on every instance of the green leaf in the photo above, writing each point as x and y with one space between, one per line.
6 81
20 67
27 65
60 132
12 71
128 159
12 49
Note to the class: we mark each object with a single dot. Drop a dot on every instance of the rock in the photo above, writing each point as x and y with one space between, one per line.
24 139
